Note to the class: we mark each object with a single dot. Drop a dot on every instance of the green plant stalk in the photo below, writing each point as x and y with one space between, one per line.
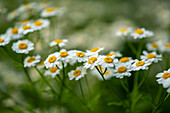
81 88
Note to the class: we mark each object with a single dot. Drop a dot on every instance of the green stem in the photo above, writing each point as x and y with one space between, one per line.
42 76
140 49
133 49
88 86
81 88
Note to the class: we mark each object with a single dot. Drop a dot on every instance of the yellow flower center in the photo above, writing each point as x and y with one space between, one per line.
107 72
167 45
63 54
48 10
42 63
77 73
110 54
58 41
94 49
1 40
14 30
80 54
38 23
150 56
26 27
108 59
52 59
166 75
92 60
140 63
124 59
123 30
22 46
31 59
53 69
122 69
24 21
139 31
155 45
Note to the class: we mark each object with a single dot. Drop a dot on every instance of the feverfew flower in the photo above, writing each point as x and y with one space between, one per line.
14 33
4 40
31 61
64 56
165 47
154 46
41 65
140 65
51 61
53 11
107 61
123 32
80 56
53 71
23 46
59 42
91 62
25 29
40 24
94 51
141 33
114 53
77 74
126 60
122 70
164 79
151 57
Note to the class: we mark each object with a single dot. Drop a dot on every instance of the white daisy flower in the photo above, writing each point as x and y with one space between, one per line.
23 46
107 61
80 56
31 61
140 65
24 22
91 62
25 29
114 53
4 40
40 24
27 6
152 57
123 32
53 11
141 33
94 51
41 65
59 42
164 79
64 56
53 71
14 33
126 60
77 74
51 61
165 47
154 46
122 70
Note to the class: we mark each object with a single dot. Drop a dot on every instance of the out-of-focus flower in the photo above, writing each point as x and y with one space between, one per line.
64 56
14 33
165 47
123 32
4 40
41 65
141 33
25 29
126 60
40 24
94 51
107 61
114 53
3 10
53 71
80 56
53 11
77 74
23 46
151 57
59 42
31 61
154 46
164 79
140 65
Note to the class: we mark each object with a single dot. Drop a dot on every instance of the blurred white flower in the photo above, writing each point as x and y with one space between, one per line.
151 57
53 71
31 61
59 42
14 33
4 39
140 65
141 33
77 74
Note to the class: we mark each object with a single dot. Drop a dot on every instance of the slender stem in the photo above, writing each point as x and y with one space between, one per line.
42 76
139 49
88 86
133 49
81 88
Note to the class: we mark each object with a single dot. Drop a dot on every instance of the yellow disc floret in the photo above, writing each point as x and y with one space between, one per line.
139 31
123 30
1 40
26 27
150 56
42 63
140 63
167 45
48 10
155 45
24 21
58 41
31 59
122 69
92 60
94 49
63 54
14 30
38 23
77 73
80 54
52 59
22 46
53 69
124 59
110 54
108 59
166 75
